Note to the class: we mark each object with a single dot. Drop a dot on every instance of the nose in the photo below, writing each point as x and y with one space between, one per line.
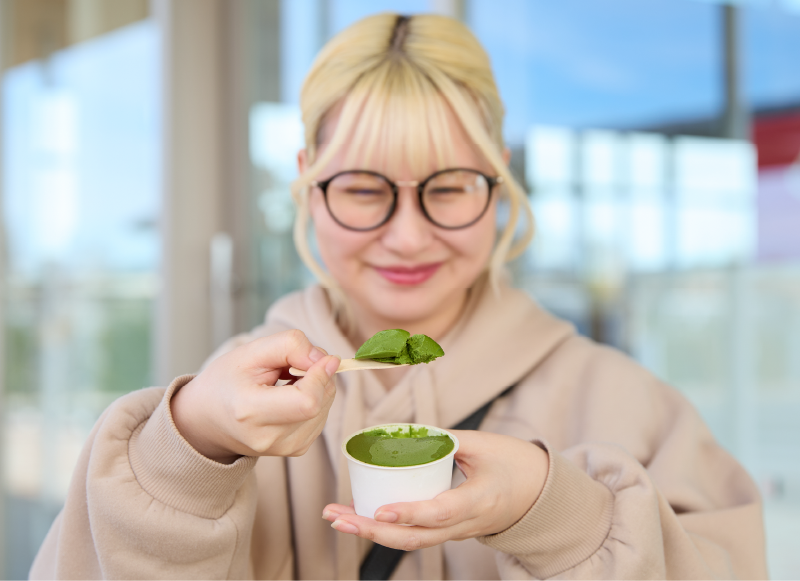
408 232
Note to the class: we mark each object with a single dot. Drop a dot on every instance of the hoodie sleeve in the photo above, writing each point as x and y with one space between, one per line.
144 504
684 510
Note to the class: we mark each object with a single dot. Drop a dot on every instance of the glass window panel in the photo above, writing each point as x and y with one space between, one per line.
555 245
714 236
646 164
276 135
600 159
602 225
714 169
646 243
549 157
778 213
81 203
276 160
715 195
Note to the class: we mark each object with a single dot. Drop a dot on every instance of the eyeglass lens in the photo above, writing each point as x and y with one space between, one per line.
451 199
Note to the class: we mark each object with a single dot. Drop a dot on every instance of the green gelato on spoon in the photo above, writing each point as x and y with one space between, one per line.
399 347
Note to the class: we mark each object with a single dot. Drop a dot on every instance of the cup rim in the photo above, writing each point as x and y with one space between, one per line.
442 459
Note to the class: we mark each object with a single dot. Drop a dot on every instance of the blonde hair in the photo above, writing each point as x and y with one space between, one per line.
393 79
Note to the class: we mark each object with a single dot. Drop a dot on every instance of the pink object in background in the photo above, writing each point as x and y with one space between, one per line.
778 213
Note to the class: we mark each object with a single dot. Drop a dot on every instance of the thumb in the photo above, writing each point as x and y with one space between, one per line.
317 380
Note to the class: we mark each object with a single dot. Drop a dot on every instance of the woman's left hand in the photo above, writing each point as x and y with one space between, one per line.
505 476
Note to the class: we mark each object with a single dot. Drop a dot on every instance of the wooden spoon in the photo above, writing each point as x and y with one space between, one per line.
354 365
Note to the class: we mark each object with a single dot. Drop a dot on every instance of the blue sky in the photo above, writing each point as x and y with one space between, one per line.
610 63
772 56
600 63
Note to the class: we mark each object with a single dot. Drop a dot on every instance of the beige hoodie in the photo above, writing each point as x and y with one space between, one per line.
637 488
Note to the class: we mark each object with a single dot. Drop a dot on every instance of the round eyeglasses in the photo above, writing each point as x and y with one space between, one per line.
364 200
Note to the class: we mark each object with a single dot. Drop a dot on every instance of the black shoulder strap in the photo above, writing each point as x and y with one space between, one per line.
381 561
473 422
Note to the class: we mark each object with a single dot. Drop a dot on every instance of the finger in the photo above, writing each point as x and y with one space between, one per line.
289 404
281 350
472 446
448 509
390 535
334 511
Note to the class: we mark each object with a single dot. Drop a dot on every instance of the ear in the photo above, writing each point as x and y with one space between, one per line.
302 161
507 155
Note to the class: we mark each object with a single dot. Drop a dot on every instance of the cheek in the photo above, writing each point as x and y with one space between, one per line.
474 244
338 247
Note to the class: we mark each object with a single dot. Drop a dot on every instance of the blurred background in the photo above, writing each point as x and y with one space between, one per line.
146 147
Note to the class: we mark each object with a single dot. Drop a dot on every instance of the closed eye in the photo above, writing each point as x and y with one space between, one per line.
451 190
364 192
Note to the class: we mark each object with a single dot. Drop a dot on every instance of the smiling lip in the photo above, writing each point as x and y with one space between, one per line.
408 276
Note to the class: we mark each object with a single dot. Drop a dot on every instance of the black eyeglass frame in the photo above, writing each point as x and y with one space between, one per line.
323 185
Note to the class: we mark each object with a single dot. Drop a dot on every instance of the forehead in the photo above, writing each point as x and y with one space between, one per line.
401 137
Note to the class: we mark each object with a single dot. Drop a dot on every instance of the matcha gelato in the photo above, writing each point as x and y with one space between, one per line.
398 447
399 347
398 463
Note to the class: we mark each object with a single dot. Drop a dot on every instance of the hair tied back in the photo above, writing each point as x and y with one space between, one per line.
399 33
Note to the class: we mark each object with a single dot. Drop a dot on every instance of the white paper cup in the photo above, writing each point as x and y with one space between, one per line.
374 486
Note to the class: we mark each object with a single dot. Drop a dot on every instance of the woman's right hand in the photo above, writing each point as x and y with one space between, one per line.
233 408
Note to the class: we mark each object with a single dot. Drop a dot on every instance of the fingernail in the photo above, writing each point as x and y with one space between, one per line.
386 516
316 354
332 365
329 514
344 527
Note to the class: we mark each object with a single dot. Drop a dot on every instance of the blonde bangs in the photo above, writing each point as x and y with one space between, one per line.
399 126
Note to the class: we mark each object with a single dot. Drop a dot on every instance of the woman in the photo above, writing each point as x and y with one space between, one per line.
586 467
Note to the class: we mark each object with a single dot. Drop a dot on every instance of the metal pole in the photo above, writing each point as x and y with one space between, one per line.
243 24
736 125
221 255
5 52
5 37
193 154
323 22
735 117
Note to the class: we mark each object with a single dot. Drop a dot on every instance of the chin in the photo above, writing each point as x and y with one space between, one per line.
407 304
402 315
